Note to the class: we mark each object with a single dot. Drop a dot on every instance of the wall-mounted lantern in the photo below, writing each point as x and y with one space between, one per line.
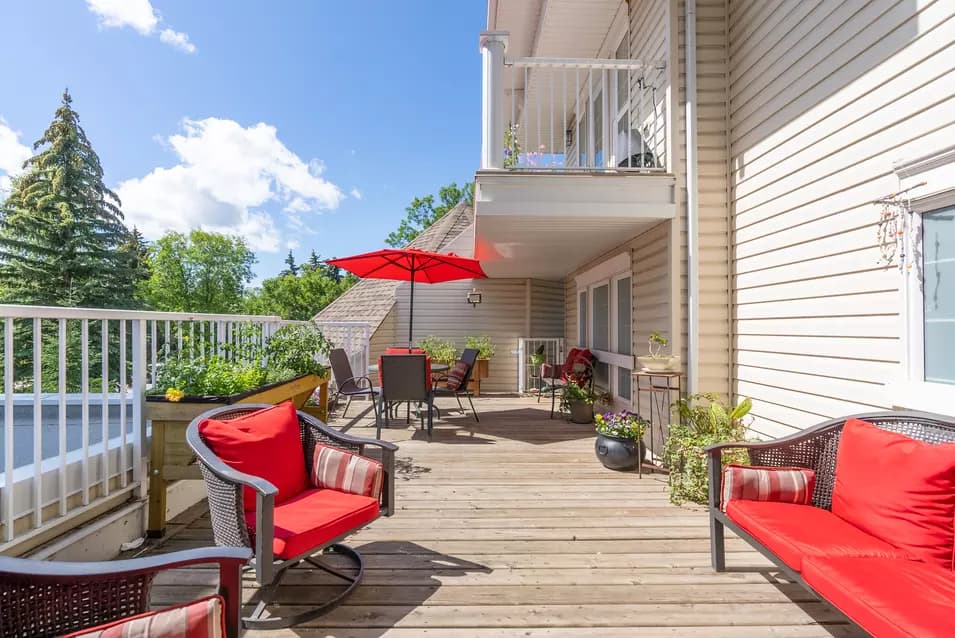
474 297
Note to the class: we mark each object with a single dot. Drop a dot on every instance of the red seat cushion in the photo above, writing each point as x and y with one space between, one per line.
889 598
267 444
314 517
795 531
201 618
898 489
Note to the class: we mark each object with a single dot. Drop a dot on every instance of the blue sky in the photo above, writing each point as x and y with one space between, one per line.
308 124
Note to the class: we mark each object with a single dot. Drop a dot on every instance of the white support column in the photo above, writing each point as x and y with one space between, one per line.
493 45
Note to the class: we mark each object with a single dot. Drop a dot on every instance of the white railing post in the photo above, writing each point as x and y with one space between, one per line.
521 366
9 511
493 45
139 402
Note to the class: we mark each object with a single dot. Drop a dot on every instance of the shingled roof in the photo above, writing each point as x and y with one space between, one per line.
372 299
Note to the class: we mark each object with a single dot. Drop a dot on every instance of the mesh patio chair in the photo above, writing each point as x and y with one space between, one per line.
457 379
405 377
341 513
348 384
41 599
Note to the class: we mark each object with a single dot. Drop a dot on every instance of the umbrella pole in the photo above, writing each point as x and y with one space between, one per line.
411 309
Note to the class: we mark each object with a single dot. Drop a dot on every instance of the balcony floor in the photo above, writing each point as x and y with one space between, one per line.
511 527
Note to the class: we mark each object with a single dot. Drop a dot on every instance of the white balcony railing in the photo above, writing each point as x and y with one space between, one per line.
74 433
560 114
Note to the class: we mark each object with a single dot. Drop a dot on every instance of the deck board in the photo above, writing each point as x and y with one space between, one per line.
511 527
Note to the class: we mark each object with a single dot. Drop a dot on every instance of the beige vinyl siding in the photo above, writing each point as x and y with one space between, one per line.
546 309
383 337
442 310
715 325
824 97
648 42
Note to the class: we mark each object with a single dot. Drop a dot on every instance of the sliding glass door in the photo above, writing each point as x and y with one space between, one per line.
605 313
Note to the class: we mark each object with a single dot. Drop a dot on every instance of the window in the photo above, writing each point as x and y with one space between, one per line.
600 300
938 295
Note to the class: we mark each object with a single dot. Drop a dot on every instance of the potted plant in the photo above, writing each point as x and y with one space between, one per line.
657 360
704 420
485 351
286 368
440 350
537 360
619 444
579 402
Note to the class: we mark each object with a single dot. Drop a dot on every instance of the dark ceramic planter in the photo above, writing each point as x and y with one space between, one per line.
618 453
581 412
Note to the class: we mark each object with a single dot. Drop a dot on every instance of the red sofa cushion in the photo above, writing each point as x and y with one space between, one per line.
889 598
795 531
898 489
267 444
779 484
346 472
314 517
201 618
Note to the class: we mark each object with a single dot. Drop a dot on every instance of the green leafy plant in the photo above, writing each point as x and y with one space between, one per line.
704 420
209 376
440 350
482 344
657 343
296 348
575 393
537 358
624 425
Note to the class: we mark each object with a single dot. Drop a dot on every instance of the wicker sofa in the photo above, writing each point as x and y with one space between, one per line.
886 579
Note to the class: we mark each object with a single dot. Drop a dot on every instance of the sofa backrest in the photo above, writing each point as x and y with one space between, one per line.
818 446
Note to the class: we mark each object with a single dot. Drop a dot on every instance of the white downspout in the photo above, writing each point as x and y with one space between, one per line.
692 208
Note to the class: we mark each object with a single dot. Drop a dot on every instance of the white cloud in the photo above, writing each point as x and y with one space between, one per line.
293 244
177 40
140 16
12 156
227 174
355 193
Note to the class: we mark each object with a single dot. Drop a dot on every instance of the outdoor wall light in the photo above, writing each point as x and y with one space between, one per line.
474 297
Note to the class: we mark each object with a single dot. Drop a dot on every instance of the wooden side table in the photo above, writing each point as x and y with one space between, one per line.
659 388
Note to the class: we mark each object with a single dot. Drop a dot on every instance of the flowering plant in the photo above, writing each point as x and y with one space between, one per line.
624 425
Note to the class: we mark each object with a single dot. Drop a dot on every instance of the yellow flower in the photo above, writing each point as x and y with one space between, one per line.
174 395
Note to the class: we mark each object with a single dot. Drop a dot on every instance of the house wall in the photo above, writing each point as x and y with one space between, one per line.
546 309
824 96
651 309
384 337
714 325
442 310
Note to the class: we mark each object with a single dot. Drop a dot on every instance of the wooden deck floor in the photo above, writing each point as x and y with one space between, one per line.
511 527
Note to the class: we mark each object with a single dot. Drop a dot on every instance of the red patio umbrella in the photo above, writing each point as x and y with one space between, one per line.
411 264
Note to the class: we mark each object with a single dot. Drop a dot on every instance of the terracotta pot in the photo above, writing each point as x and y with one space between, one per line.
581 412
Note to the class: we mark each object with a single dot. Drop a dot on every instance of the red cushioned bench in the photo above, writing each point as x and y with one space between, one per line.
860 511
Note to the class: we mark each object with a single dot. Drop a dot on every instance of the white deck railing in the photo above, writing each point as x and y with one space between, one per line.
559 114
74 379
528 374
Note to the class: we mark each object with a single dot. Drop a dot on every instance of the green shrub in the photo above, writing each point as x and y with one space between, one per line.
705 420
482 344
296 348
440 350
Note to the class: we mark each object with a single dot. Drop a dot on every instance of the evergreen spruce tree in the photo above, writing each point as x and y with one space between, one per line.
61 228
292 268
314 261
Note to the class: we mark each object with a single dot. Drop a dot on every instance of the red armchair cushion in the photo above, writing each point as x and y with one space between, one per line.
793 532
577 365
201 618
316 516
267 444
779 484
889 598
346 472
898 489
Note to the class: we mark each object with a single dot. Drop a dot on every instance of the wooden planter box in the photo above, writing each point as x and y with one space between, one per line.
480 372
170 458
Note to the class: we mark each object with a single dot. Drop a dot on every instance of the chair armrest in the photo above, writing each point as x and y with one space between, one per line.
355 380
94 577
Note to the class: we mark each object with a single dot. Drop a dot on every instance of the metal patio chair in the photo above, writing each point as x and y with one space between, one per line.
577 368
231 527
348 384
469 358
405 377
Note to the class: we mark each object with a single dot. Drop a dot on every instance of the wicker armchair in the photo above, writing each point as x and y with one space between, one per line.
813 448
40 599
225 492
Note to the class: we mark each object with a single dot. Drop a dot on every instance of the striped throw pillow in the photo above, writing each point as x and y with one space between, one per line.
456 375
343 471
199 619
778 484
